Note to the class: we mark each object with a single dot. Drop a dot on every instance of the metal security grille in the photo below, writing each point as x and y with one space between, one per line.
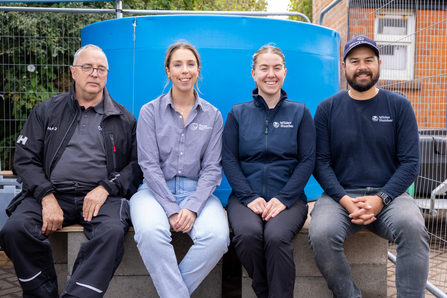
412 37
36 50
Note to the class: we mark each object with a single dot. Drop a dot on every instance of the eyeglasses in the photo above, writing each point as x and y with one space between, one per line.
88 70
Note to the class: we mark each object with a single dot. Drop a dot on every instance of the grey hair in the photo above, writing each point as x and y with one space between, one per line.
88 47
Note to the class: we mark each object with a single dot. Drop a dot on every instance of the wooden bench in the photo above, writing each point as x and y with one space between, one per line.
132 279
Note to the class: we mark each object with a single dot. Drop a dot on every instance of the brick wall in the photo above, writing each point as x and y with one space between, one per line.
428 90
337 19
431 69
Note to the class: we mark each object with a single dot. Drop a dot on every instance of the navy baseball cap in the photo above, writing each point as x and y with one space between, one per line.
360 41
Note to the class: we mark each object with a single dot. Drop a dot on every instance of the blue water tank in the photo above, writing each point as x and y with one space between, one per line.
135 48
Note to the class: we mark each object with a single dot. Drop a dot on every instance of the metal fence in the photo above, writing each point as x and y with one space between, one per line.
36 50
412 36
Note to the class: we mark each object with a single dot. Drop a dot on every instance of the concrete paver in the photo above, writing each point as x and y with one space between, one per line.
9 286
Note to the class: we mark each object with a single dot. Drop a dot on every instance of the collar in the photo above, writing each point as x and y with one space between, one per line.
260 102
108 106
99 108
167 101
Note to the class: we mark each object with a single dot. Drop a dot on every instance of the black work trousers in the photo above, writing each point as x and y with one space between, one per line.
30 251
264 247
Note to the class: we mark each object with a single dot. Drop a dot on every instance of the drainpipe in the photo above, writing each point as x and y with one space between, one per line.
324 11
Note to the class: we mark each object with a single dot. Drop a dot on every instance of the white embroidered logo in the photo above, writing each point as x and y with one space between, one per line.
275 124
382 119
286 124
54 128
193 126
22 139
204 127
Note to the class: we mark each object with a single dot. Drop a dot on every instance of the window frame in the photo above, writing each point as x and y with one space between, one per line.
407 40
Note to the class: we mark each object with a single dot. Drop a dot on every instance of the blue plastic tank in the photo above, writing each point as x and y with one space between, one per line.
135 48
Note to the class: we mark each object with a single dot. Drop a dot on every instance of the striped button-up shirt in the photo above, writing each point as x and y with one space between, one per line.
168 148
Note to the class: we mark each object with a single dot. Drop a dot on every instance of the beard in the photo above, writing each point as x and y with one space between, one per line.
362 87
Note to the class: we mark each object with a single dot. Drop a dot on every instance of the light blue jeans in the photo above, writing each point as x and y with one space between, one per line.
210 234
400 222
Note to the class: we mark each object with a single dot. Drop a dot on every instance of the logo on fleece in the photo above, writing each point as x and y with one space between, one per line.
382 119
283 124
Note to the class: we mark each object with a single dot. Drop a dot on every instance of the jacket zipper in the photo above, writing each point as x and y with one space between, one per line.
266 154
114 152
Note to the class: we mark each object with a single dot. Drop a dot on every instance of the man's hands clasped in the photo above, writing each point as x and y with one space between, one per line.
362 210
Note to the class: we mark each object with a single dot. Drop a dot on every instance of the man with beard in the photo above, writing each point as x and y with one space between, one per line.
367 157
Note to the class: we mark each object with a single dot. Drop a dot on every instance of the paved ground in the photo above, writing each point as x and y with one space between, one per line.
391 291
9 286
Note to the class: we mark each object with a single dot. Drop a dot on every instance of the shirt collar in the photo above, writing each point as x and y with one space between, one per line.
108 107
167 99
99 108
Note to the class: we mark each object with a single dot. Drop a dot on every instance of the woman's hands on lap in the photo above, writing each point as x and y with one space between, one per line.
183 221
266 210
257 205
272 209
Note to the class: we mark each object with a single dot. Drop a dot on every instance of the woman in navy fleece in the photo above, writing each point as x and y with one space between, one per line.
268 156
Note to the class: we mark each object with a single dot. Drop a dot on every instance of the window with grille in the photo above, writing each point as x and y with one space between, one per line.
394 34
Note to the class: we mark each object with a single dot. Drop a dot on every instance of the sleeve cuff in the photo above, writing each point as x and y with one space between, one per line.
110 187
194 206
171 209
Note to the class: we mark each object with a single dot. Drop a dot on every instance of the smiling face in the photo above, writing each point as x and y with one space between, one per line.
269 73
89 88
183 70
362 69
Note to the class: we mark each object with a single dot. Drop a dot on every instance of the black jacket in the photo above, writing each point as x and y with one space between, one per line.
47 132
268 153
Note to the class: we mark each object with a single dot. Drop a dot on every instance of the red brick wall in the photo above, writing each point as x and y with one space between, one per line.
430 69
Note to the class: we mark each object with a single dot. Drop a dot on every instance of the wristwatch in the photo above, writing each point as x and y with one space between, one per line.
386 199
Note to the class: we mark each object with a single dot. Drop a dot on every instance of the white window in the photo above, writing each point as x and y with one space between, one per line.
394 34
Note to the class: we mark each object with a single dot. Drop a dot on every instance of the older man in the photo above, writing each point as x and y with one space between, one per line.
367 157
77 157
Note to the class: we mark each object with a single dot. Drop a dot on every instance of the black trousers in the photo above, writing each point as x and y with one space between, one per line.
30 251
265 248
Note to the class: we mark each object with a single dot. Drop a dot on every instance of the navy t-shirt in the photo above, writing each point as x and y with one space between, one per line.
366 143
